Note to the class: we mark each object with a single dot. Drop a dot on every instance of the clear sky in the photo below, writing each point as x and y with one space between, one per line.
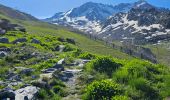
47 8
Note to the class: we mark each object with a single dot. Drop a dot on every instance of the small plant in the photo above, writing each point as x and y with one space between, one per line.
102 90
103 65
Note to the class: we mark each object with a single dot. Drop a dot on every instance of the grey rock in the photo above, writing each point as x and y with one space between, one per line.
20 40
72 41
27 93
13 76
58 67
7 93
27 71
5 49
4 40
2 32
49 70
60 48
35 41
3 54
61 62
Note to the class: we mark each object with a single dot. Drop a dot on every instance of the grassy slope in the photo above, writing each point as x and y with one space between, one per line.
84 43
162 52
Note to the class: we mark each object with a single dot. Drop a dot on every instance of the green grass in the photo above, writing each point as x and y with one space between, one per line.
162 52
83 42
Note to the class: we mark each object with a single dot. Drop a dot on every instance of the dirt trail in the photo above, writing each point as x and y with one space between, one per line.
72 85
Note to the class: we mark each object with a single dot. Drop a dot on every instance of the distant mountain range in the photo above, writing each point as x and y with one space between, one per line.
139 21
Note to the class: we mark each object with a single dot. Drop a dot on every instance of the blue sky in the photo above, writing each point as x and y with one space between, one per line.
46 8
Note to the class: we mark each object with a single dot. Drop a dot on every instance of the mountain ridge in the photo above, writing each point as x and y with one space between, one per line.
102 28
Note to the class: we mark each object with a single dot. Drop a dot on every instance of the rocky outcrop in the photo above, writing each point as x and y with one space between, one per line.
4 40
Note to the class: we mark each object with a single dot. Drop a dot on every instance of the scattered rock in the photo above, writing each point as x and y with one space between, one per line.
61 62
13 76
27 93
60 48
35 41
2 32
49 70
4 40
81 62
27 71
5 49
7 93
3 54
20 40
72 41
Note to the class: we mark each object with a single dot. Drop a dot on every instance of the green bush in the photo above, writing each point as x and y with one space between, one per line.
87 56
146 88
103 65
102 90
120 98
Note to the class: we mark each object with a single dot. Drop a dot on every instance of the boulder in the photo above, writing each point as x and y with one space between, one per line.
5 49
20 40
27 93
13 76
49 70
2 32
61 62
4 40
58 67
60 48
7 93
27 71
35 41
3 54
72 41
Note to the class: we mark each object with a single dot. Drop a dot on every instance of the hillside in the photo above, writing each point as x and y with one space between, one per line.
43 61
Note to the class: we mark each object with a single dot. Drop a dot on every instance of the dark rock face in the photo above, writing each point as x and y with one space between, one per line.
4 40
20 40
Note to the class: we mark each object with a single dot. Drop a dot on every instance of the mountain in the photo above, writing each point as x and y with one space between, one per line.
140 21
144 23
15 14
88 16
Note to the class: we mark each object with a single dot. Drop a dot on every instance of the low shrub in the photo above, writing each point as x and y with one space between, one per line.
102 90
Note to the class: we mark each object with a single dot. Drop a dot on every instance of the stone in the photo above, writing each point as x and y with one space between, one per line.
35 41
7 93
49 70
61 62
58 67
4 40
5 49
13 76
2 32
60 48
20 40
81 62
68 74
3 54
27 71
28 93
72 41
